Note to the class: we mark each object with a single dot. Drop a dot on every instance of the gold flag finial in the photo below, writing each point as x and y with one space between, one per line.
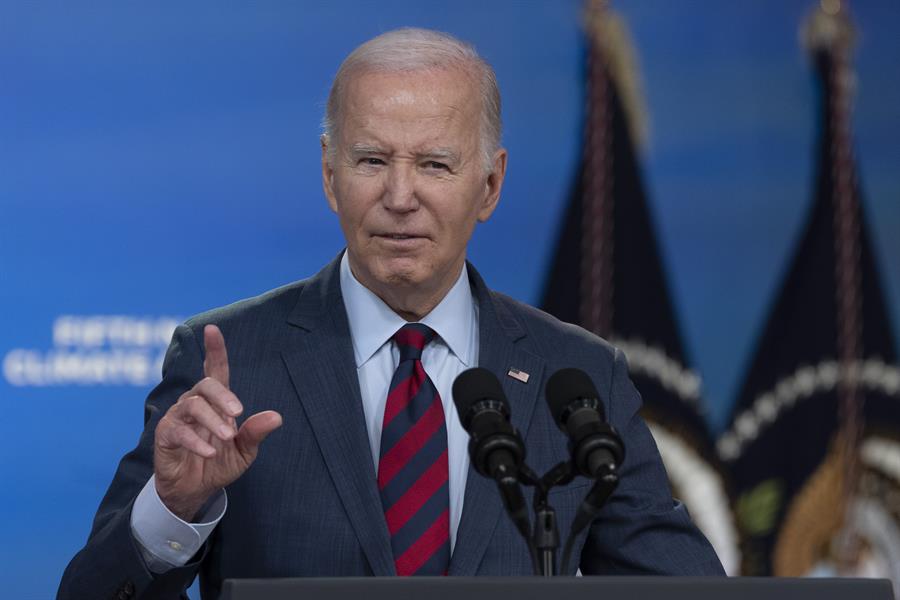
828 27
609 33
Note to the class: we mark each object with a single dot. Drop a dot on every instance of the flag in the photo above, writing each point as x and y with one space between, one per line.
814 442
606 275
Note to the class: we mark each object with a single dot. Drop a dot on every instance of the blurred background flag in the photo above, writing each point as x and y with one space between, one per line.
607 275
814 442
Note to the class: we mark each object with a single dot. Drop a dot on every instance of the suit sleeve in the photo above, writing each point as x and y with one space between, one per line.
642 530
111 565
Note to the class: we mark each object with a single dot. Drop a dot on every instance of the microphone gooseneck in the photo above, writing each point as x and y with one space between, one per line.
597 450
495 447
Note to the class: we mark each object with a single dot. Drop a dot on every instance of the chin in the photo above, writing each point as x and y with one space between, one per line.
401 270
402 278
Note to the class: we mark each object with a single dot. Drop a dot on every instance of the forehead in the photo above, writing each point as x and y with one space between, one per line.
418 104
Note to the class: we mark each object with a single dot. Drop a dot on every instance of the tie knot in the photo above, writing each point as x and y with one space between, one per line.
411 339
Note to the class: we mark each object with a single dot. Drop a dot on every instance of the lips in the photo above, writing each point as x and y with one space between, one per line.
399 236
400 242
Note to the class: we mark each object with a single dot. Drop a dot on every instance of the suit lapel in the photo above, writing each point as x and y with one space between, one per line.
499 331
322 368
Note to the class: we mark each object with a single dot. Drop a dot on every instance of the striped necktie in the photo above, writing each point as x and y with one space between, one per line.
412 465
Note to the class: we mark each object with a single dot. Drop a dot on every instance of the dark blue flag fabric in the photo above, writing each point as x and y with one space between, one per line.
814 442
606 274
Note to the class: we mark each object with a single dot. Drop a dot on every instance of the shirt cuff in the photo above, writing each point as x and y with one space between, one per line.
167 541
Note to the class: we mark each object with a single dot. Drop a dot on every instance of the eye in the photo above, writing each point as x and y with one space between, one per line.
433 165
371 161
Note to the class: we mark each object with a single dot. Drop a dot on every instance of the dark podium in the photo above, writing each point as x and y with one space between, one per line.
557 588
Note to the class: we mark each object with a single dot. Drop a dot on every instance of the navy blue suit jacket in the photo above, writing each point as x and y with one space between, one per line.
309 505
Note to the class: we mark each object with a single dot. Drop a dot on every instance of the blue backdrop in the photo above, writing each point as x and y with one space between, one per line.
158 160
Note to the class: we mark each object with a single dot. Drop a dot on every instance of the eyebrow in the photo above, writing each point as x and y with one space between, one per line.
441 154
356 149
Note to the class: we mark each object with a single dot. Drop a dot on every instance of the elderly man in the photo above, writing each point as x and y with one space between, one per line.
352 460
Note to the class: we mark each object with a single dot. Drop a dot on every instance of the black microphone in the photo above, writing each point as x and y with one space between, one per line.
575 405
495 447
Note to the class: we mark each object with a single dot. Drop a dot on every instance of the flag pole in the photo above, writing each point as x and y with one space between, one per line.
829 36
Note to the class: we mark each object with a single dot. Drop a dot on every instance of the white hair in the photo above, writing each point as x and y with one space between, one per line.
411 49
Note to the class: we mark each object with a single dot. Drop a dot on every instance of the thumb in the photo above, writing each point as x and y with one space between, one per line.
254 430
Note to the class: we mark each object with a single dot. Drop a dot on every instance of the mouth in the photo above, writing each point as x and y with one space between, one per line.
400 236
400 242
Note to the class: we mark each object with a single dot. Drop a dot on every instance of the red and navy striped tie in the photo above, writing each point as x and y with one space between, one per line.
412 465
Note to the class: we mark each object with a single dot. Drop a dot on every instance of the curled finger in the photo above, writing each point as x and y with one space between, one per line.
197 410
188 439
219 396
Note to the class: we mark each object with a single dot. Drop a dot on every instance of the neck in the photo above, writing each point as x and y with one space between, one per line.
410 301
412 316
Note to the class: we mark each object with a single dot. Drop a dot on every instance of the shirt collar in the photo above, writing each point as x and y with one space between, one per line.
372 322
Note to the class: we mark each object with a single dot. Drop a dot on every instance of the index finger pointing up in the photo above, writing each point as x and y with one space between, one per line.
215 364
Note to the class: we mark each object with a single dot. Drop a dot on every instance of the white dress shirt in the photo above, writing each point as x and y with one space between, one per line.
167 541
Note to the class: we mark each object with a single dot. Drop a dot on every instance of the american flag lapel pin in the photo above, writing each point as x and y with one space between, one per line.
518 375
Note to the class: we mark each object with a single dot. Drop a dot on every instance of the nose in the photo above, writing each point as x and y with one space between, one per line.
400 190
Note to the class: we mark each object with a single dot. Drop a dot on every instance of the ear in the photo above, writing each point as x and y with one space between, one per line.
493 185
327 174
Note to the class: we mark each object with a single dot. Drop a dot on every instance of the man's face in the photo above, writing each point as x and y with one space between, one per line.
408 181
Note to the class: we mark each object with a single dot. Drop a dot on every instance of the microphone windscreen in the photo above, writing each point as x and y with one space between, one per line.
566 386
473 385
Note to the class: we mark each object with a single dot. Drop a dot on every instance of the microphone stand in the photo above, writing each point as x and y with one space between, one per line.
607 479
543 542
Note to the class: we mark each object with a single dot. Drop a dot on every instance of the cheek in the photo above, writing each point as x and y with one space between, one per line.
462 212
355 198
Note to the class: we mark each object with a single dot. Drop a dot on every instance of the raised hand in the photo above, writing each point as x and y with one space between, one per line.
197 448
